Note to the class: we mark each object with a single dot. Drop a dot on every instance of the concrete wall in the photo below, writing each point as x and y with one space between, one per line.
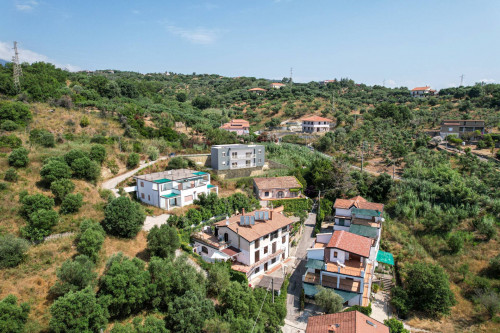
318 254
323 238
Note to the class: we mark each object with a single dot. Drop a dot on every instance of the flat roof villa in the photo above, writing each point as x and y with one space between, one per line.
173 188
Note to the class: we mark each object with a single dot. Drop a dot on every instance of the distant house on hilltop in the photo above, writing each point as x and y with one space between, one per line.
315 124
459 127
277 85
422 91
325 82
238 126
258 91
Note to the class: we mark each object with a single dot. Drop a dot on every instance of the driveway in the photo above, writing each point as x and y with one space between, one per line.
296 321
151 221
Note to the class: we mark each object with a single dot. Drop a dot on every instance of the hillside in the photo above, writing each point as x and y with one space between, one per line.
444 211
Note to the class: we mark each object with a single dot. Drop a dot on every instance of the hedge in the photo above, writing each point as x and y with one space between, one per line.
294 205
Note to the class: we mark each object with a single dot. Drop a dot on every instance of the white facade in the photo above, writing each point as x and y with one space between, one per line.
173 193
315 126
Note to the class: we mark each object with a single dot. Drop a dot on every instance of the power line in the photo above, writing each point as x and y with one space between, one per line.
262 305
17 68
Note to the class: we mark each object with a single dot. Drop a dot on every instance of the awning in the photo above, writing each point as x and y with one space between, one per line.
365 212
346 295
315 264
161 181
199 173
363 230
210 186
310 290
171 195
385 257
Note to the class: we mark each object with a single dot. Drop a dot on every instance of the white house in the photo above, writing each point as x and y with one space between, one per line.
254 242
422 91
277 85
315 124
173 188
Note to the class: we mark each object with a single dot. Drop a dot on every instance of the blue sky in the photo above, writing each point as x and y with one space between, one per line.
405 43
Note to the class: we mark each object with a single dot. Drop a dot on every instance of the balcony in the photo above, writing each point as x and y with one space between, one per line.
242 166
311 278
345 284
243 157
350 267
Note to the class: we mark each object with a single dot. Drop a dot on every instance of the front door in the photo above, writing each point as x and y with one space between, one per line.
265 267
281 194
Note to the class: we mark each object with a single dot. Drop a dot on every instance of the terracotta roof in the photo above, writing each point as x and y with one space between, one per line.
277 84
420 88
277 182
260 228
236 124
316 118
346 241
345 322
257 89
358 202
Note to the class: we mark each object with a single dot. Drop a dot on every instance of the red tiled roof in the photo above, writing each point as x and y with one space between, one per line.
346 241
276 182
257 89
277 84
231 251
316 118
358 202
420 88
345 322
260 228
236 124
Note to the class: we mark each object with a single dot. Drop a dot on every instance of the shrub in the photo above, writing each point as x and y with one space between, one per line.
39 224
85 168
486 226
74 275
54 170
330 301
10 141
84 122
62 187
98 153
73 155
494 267
17 112
163 241
13 317
11 175
43 138
133 160
19 158
177 163
218 279
367 310
71 203
32 203
455 242
78 312
395 326
188 312
9 125
181 96
153 153
123 217
12 251
90 239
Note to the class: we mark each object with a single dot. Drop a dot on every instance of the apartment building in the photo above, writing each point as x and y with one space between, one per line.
237 156
254 242
173 188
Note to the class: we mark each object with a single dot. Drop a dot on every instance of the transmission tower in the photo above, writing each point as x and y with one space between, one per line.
461 80
17 68
291 82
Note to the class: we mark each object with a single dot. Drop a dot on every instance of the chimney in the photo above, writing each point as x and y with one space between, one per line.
243 211
270 215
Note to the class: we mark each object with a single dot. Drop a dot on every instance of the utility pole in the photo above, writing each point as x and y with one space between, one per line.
17 68
461 80
333 101
291 76
362 155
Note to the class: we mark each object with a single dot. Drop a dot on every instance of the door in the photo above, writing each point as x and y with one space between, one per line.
281 194
265 267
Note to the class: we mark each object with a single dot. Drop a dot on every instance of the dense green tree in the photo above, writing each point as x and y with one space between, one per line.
54 170
181 96
153 153
15 111
187 313
13 317
71 203
217 325
86 169
428 289
218 279
73 155
11 175
78 312
34 202
43 138
123 217
163 241
98 153
151 325
330 301
9 125
239 299
74 275
485 226
202 102
455 242
19 158
381 188
177 163
12 250
395 326
90 239
133 160
62 187
39 224
125 286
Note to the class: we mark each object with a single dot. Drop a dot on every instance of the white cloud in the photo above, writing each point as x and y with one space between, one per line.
6 53
487 80
26 6
136 12
196 36
390 83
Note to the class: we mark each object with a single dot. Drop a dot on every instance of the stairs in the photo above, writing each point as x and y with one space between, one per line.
387 281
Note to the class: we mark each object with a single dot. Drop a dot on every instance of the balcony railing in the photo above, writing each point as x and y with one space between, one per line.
242 157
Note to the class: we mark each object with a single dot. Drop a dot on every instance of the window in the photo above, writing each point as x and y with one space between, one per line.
260 160
265 237
257 244
223 154
274 247
341 222
260 151
257 256
273 261
266 194
204 250
265 249
188 198
223 162
283 229
257 270
248 155
234 164
450 129
234 154
335 254
149 197
283 239
142 195
226 237
142 184
247 162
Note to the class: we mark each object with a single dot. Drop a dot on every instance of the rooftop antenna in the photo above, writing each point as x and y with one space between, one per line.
461 80
17 68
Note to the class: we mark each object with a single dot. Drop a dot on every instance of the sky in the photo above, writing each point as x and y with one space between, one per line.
398 42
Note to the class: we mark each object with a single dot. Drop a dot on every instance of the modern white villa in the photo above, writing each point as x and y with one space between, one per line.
316 124
254 242
173 188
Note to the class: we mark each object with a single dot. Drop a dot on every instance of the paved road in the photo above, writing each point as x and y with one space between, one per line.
296 321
